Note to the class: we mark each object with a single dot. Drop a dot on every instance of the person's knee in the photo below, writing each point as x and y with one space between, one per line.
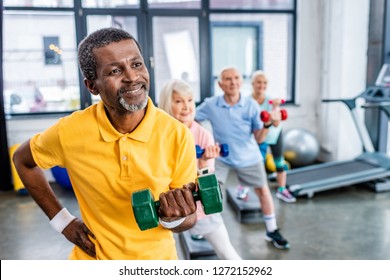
280 164
261 191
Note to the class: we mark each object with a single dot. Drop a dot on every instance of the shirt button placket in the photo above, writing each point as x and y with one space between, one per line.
123 151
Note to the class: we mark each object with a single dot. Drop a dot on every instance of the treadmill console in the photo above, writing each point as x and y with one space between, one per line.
376 94
383 79
381 91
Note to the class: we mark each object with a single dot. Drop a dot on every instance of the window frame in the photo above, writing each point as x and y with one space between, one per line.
259 39
144 16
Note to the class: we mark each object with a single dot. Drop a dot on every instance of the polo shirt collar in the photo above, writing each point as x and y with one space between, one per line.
142 133
222 102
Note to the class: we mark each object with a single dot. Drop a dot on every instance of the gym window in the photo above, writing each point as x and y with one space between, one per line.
40 39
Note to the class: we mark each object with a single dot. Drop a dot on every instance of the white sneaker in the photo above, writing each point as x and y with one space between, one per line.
242 192
286 196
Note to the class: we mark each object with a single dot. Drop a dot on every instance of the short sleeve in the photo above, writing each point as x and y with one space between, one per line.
46 148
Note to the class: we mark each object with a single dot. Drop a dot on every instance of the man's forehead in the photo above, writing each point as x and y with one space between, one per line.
117 50
230 73
116 45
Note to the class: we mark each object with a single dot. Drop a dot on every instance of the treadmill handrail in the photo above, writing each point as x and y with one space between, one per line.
386 109
351 103
384 106
360 126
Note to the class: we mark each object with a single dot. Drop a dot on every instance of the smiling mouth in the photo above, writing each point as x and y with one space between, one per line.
134 91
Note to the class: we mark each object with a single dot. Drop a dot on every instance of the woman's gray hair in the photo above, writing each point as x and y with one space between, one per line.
97 39
259 73
175 85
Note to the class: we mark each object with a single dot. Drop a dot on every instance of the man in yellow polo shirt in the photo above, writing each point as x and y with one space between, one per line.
111 149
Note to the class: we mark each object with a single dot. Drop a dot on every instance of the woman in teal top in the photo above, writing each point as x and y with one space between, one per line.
274 138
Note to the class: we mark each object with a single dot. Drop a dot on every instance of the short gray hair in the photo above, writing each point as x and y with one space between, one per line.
97 39
225 69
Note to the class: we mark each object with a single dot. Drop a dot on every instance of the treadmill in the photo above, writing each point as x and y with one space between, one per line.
370 167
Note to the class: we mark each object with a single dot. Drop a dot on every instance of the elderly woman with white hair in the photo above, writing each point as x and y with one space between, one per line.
176 98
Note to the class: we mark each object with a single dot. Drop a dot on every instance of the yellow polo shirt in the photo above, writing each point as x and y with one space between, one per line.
106 167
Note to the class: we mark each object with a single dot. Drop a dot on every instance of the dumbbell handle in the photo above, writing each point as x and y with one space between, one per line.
224 150
282 101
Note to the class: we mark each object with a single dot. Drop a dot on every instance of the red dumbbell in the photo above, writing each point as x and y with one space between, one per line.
265 116
277 101
283 114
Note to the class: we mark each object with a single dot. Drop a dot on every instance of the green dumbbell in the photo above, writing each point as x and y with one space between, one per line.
145 207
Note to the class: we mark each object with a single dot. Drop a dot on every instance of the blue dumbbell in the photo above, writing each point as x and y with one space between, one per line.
224 150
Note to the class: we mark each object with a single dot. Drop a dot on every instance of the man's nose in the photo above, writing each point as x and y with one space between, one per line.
130 75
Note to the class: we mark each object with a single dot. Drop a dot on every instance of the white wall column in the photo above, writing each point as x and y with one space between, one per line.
343 74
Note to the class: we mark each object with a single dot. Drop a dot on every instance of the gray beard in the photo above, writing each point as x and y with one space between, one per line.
133 107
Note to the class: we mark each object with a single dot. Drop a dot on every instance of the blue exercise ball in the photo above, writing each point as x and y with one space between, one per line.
300 147
61 176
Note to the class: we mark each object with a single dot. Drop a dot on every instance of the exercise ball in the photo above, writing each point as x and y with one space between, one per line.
61 176
300 147
269 163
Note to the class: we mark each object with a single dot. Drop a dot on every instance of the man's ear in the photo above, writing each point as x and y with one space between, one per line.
91 86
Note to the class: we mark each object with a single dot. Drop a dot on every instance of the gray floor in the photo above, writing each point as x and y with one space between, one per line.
351 223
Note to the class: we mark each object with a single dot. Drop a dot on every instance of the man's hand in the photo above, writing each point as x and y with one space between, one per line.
177 203
78 233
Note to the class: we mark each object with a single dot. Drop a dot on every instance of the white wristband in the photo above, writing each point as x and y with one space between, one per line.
61 220
203 171
173 224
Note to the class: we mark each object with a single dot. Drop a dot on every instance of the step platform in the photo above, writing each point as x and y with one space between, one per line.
248 210
195 249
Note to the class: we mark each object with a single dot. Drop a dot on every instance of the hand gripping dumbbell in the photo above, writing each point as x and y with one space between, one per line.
265 116
224 150
145 208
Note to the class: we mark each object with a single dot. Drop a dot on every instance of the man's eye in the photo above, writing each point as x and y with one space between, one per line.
138 65
115 71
